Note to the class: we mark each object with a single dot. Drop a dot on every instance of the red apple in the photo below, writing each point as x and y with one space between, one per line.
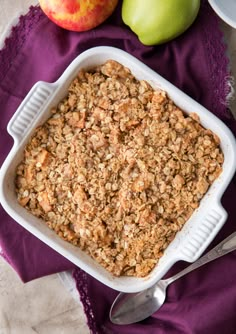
78 15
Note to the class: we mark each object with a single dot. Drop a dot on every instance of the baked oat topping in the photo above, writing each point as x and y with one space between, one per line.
117 169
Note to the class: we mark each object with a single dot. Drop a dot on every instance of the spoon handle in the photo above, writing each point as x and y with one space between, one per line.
224 247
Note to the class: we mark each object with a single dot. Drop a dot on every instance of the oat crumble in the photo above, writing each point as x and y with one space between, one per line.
117 169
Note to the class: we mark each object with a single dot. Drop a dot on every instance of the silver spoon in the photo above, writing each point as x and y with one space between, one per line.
133 307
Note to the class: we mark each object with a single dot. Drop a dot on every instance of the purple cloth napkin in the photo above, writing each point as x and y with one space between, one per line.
203 302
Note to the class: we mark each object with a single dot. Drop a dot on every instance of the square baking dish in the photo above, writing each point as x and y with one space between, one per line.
198 231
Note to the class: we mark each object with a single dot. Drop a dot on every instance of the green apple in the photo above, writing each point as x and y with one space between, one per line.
159 21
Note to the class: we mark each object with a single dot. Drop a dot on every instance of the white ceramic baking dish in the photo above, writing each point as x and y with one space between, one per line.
197 233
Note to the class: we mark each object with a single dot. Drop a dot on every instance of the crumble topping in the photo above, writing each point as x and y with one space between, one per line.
117 169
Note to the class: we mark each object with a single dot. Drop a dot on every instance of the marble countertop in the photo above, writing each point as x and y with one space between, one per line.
56 309
41 306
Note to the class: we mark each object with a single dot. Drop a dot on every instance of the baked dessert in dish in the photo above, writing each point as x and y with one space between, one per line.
117 169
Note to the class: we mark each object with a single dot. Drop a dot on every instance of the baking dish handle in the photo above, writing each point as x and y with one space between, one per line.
208 227
30 109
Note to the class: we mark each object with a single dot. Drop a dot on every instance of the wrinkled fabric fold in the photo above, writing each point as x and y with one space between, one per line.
204 301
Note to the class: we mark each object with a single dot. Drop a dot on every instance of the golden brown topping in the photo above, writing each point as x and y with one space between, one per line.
117 169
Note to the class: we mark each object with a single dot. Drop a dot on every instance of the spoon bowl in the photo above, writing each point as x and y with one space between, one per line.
134 307
138 304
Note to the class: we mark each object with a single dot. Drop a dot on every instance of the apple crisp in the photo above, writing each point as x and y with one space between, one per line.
117 169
